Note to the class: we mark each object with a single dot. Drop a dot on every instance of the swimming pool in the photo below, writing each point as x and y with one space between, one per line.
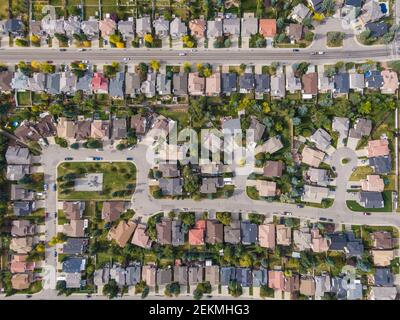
384 7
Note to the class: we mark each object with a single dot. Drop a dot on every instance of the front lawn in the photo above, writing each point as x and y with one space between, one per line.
361 173
387 197
119 180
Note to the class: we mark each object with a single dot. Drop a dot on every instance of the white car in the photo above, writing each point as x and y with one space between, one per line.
181 54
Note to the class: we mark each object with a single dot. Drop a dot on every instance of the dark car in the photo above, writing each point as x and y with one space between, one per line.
55 253
68 159
296 50
54 187
129 158
55 214
367 213
63 49
300 206
333 168
47 215
323 219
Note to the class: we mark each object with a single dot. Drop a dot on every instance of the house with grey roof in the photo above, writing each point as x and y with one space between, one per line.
148 87
371 199
293 83
258 129
90 27
132 84
249 26
356 81
341 125
171 187
132 274
243 277
232 232
383 293
231 26
37 83
19 82
341 83
126 28
178 29
231 125
53 83
102 276
119 130
164 276
118 274
227 274
181 275
318 176
73 280
75 246
381 165
161 27
260 277
322 139
18 155
180 84
72 26
262 85
325 83
16 172
20 193
246 82
278 88
373 79
163 84
143 26
116 86
322 284
195 275
178 237
300 12
228 83
14 26
68 82
23 208
214 28
52 26
85 83
73 265
248 232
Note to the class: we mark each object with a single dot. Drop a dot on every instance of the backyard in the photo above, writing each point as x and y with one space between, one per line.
119 180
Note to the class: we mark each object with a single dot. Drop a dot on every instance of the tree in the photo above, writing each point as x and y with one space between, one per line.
111 289
190 180
260 9
224 218
21 42
265 291
328 6
365 108
148 38
172 289
309 36
365 35
235 289
155 65
187 66
56 109
266 107
227 43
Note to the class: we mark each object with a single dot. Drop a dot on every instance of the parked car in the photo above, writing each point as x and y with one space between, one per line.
97 158
181 54
54 187
46 215
45 186
63 49
323 219
296 50
129 158
68 159
55 214
367 213
300 206
55 253
333 168
287 213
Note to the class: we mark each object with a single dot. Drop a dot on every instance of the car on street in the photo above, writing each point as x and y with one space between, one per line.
300 206
323 219
367 213
47 215
63 49
68 159
182 54
45 186
28 296
81 49
55 253
129 158
287 213
55 214
333 168
97 158
54 187
296 50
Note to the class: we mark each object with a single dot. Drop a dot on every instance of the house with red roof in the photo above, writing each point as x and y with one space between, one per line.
99 83
197 234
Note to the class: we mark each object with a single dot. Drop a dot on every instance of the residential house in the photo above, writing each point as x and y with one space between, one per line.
22 228
214 28
325 83
169 170
90 27
132 84
37 83
178 236
273 169
390 82
161 27
248 232
100 129
362 127
52 26
302 239
164 232
369 199
181 275
322 285
73 265
231 27
119 130
180 84
75 246
266 188
21 245
66 128
249 26
126 28
197 234
21 281
163 84
377 29
112 210
293 83
372 183
227 274
312 157
212 274
73 210
84 83
143 26
139 124
213 84
141 238
373 79
246 82
314 194
278 85
178 29
75 228
20 193
383 293
16 172
322 139
257 128
260 277
266 235
382 258
378 148
341 125
149 275
276 280
382 240
19 82
214 232
53 83
232 232
99 83
383 277
295 32
267 28
116 86
243 277
148 87
132 274
5 81
341 83
196 84
122 232
381 165
318 242
228 83
164 276
310 85
195 275
292 283
107 27
316 5
272 145
18 155
68 82
23 208
72 26
19 264
300 12
262 85
171 187
318 176
371 12
283 235
197 28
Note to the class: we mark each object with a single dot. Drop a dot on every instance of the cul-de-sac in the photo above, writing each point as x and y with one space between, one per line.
199 149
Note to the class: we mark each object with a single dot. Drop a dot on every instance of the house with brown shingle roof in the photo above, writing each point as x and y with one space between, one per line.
75 228
295 32
149 275
141 238
83 129
122 232
266 188
292 283
382 240
21 281
5 81
390 82
310 85
164 232
307 286
232 232
214 232
139 124
66 128
382 258
273 169
213 84
112 210
373 182
267 28
276 280
312 157
378 148
73 210
318 242
196 84
266 235
22 228
21 245
212 275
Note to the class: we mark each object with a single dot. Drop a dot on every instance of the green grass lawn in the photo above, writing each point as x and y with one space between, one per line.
361 173
24 98
387 197
116 177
